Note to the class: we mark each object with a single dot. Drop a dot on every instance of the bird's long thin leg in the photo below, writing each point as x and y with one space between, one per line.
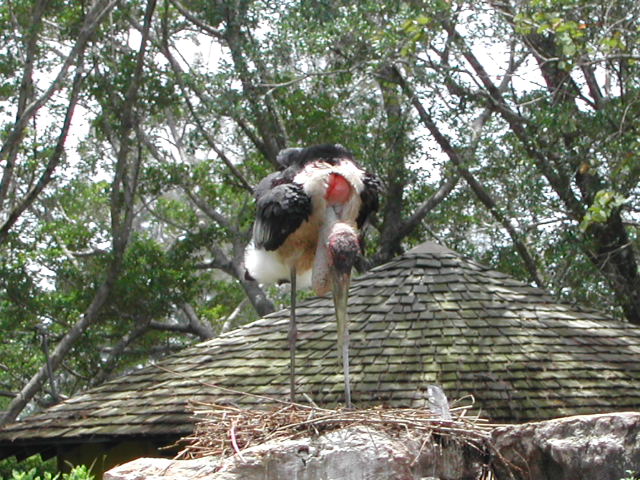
345 366
293 334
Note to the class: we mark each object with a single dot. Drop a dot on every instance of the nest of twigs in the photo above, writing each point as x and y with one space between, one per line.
223 430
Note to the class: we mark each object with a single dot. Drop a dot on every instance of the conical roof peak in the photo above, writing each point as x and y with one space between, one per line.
431 247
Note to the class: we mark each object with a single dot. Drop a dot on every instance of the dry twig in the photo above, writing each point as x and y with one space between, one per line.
223 430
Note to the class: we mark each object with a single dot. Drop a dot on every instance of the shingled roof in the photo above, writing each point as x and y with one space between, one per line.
429 316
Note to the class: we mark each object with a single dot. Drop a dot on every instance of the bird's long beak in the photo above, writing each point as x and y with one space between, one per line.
343 250
340 285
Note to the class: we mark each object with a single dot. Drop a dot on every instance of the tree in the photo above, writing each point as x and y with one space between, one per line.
573 134
122 196
29 104
122 230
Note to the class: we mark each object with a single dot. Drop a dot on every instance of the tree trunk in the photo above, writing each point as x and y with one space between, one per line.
62 348
395 174
612 252
607 245
54 160
122 196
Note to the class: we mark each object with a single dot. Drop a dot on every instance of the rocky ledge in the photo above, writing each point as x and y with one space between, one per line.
590 447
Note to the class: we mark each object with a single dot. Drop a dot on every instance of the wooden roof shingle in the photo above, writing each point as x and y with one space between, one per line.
427 317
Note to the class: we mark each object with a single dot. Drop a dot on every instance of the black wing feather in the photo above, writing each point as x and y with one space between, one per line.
281 209
370 200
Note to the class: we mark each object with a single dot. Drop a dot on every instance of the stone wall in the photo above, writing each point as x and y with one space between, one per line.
598 447
595 447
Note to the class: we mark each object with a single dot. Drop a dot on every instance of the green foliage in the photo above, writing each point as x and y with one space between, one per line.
77 473
33 466
604 204
631 475
268 75
31 475
153 280
577 27
418 30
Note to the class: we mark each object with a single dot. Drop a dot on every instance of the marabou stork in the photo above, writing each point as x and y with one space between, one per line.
310 220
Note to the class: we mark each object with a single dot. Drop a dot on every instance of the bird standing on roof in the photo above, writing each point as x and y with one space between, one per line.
309 224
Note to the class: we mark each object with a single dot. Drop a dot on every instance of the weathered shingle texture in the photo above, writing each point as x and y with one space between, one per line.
427 317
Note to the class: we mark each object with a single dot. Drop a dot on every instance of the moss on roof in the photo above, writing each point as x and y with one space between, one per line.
429 316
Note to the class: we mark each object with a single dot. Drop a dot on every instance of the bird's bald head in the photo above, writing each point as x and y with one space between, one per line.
343 247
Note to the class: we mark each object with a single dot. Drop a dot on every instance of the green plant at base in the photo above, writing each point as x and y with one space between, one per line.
79 472
631 475
35 462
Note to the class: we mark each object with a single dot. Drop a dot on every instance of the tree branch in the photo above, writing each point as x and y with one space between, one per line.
120 232
194 327
214 32
559 183
228 322
211 212
592 84
428 205
473 183
179 74
26 92
91 23
116 352
45 350
52 164
201 328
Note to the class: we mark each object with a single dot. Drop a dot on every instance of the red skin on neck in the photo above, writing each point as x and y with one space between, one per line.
338 189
